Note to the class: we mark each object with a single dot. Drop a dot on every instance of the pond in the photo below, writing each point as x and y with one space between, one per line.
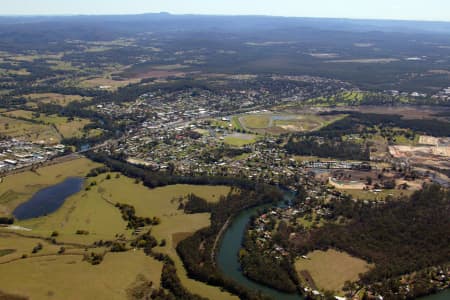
48 199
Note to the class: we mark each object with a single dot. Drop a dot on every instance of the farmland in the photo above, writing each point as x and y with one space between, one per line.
69 277
105 83
53 98
64 126
25 130
92 211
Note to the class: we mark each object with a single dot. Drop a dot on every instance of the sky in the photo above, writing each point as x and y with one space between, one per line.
432 10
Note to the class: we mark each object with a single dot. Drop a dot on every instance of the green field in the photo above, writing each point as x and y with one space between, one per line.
330 269
93 210
28 131
68 277
240 139
54 98
236 124
255 121
65 127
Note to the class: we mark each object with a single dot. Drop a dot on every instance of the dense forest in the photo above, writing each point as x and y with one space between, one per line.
155 179
336 148
357 122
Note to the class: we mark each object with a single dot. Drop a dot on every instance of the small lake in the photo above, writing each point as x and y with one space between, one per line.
48 199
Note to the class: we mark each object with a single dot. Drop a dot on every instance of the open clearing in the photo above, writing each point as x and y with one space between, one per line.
54 98
106 83
28 131
18 188
369 195
280 123
163 203
256 121
330 269
68 277
65 127
240 139
93 210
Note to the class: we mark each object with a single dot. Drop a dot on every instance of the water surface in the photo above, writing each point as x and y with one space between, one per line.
48 199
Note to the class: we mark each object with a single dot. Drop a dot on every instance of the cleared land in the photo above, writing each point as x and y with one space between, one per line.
330 269
280 123
18 188
163 203
93 210
25 130
68 277
256 121
240 139
54 98
369 195
65 127
106 83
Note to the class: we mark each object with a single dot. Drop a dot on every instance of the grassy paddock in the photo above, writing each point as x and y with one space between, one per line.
54 98
93 210
24 130
67 128
330 269
68 277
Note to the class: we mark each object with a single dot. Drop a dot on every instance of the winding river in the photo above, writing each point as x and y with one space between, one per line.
48 199
228 260
51 198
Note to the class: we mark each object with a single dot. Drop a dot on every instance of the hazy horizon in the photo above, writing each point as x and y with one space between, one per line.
402 10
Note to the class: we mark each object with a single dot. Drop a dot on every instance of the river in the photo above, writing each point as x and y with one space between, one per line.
228 260
48 199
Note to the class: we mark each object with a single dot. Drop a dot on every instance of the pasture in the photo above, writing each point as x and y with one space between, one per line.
330 269
54 98
64 126
106 83
68 277
93 210
28 131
